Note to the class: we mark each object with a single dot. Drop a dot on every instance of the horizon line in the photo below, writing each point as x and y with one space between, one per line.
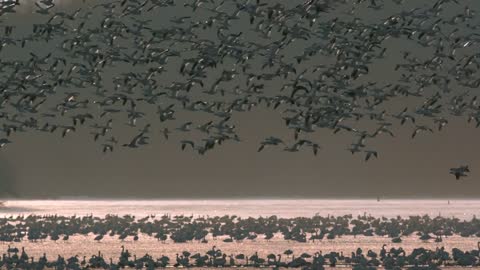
236 198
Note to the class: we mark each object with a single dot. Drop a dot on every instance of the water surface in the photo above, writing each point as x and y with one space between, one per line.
463 209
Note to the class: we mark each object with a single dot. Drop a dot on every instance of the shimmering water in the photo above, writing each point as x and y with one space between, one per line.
463 209
110 246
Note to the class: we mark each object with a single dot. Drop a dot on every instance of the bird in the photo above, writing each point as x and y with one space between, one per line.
185 127
370 153
173 71
67 129
80 118
137 141
460 172
419 129
165 133
184 144
441 122
270 141
98 238
3 142
315 146
107 147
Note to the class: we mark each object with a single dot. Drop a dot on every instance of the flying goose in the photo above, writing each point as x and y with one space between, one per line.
370 153
165 133
460 171
107 147
270 141
138 140
419 129
186 142
4 142
185 127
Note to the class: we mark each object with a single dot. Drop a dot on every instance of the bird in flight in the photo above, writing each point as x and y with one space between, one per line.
460 171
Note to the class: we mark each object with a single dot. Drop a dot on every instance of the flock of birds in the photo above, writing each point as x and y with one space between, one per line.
231 229
115 65
395 258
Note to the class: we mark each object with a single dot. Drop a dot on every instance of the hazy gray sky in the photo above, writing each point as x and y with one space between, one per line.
42 165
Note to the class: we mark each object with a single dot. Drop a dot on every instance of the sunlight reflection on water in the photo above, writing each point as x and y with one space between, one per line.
463 209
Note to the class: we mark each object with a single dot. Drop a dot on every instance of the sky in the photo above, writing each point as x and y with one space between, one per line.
39 165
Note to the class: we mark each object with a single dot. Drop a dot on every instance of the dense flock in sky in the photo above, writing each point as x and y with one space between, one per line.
182 70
